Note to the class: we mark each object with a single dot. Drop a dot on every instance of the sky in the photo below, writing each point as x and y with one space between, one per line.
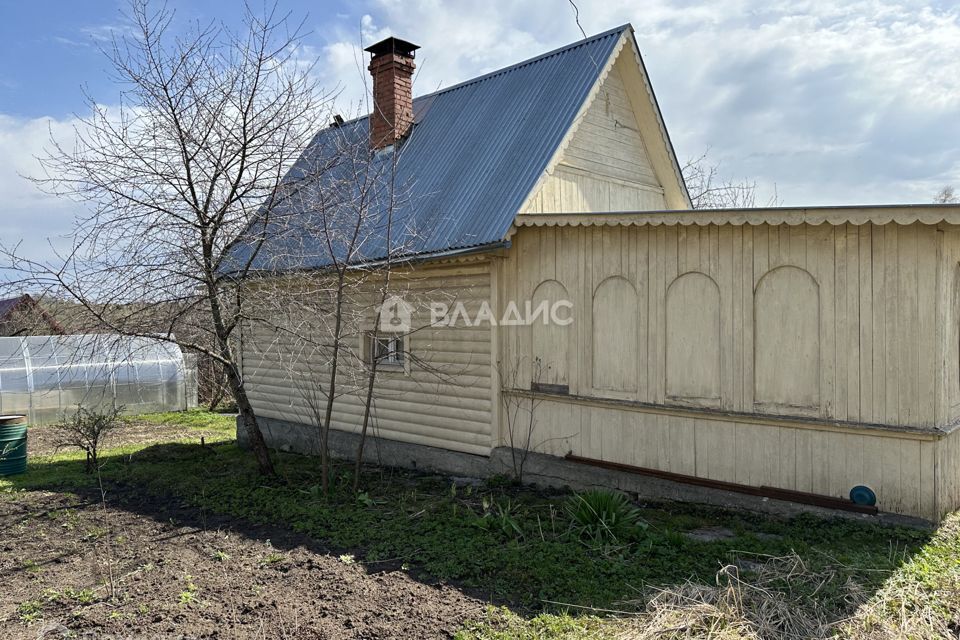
818 102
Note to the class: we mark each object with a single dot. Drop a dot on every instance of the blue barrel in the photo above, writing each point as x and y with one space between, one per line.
13 445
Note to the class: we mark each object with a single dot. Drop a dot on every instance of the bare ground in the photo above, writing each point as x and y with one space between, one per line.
178 574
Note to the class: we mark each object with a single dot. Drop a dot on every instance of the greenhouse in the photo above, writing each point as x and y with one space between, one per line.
47 377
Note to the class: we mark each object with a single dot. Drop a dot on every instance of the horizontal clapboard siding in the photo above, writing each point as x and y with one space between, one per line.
607 141
605 165
443 401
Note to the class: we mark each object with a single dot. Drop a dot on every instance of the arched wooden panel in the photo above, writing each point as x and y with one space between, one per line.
693 338
954 375
615 349
787 339
550 342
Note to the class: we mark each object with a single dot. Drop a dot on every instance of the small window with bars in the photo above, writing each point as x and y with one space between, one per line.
387 350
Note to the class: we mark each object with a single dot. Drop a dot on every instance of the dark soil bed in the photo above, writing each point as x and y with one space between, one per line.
177 573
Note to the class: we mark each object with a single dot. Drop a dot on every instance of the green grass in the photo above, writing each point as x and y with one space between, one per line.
510 544
502 624
922 598
223 423
60 471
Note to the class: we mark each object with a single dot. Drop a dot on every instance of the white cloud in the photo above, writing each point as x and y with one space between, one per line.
30 216
832 102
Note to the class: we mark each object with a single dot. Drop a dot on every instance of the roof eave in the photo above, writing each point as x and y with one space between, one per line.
903 214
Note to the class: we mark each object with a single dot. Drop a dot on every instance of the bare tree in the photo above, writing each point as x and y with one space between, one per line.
179 180
86 430
314 395
384 293
709 190
947 195
348 212
519 410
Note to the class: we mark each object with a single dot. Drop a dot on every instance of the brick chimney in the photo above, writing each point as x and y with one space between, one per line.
391 65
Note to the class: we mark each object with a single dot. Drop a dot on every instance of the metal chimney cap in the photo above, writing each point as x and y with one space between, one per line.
393 45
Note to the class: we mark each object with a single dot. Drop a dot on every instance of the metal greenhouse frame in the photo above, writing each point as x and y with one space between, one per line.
48 377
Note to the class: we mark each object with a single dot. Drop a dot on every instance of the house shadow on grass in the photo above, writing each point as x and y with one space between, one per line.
496 542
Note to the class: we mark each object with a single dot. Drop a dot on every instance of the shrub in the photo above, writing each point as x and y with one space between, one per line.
602 517
87 429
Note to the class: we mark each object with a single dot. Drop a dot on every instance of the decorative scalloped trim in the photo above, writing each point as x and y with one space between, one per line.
924 214
664 136
585 107
577 121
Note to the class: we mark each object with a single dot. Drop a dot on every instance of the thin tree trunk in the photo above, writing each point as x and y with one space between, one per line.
254 437
366 420
331 387
219 389
376 330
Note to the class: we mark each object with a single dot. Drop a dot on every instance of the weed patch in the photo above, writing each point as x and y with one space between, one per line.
549 553
513 544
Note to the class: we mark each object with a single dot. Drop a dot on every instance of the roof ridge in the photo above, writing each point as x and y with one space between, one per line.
529 61
466 167
513 67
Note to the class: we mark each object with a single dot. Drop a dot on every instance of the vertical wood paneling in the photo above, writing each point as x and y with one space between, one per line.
889 496
909 486
747 283
804 461
873 471
951 316
641 240
878 320
907 323
820 463
927 287
880 328
878 317
789 354
852 324
827 275
866 346
894 356
947 474
928 480
655 317
839 353
727 263
614 343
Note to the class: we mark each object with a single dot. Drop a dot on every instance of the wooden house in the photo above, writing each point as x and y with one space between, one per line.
785 349
24 316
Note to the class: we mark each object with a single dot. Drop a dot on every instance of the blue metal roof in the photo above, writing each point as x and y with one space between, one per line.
475 152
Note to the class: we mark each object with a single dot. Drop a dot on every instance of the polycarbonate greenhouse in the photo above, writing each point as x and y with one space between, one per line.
48 377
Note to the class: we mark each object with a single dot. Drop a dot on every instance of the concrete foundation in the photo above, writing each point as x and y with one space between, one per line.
540 470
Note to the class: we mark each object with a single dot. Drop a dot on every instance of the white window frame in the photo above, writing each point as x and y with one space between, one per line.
397 361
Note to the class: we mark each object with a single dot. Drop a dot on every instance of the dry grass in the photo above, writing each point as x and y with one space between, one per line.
778 601
921 601
776 598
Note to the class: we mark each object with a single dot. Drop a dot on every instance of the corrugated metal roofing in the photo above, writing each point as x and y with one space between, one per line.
476 151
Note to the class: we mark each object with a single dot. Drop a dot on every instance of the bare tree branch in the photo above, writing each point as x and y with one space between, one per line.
708 190
184 170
